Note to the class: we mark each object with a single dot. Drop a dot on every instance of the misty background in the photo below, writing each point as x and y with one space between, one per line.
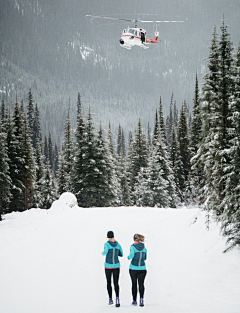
54 49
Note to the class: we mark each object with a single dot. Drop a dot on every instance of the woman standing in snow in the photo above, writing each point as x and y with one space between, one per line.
112 250
138 272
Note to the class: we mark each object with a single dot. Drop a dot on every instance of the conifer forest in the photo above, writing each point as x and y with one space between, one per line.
155 127
186 156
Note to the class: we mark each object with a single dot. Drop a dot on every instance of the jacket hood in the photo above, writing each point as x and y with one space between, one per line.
113 244
139 246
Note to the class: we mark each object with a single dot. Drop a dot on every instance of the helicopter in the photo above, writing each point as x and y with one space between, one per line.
135 36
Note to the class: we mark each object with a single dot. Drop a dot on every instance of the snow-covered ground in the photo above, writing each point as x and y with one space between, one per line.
51 262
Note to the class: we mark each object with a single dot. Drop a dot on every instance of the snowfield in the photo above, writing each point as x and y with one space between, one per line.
51 260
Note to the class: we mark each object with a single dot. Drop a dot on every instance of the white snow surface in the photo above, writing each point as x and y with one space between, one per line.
51 260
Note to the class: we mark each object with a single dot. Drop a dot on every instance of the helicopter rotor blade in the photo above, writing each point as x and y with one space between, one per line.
133 20
161 21
110 18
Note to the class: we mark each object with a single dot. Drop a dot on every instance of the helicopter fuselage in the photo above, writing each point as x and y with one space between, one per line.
136 37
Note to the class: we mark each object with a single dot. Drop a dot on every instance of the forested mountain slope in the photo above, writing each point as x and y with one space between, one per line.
66 52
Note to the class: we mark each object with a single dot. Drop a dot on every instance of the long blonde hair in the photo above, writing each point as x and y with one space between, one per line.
139 238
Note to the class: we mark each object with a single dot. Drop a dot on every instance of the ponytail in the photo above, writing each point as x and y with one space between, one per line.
138 237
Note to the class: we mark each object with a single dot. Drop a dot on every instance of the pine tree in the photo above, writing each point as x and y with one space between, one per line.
169 123
89 169
49 189
123 145
175 115
138 156
39 176
177 167
61 175
160 156
143 192
219 135
231 215
149 139
130 142
204 158
113 165
195 140
67 157
46 149
79 106
119 142
110 139
5 179
28 167
36 128
156 130
14 135
183 140
104 192
30 113
77 171
3 117
21 109
56 159
162 125
50 150
125 198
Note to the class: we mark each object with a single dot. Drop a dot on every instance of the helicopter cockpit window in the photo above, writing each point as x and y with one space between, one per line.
131 31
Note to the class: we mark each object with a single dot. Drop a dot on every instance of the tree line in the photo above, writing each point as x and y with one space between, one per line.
189 157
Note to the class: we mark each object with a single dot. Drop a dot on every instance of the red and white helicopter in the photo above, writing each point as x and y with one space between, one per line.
135 36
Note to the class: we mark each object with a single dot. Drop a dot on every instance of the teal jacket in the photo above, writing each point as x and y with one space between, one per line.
112 250
138 255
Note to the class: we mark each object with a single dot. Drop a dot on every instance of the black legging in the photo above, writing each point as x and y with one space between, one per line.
137 276
115 272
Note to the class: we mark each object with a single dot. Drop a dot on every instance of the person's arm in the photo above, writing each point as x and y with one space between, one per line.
131 255
146 254
105 249
120 253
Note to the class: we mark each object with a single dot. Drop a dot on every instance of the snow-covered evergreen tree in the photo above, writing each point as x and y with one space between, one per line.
46 150
28 167
30 113
50 150
79 106
37 136
3 117
231 202
177 167
49 189
66 159
5 179
124 179
77 171
14 134
104 191
162 125
204 159
195 140
169 123
183 140
39 176
89 170
119 142
175 115
138 158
